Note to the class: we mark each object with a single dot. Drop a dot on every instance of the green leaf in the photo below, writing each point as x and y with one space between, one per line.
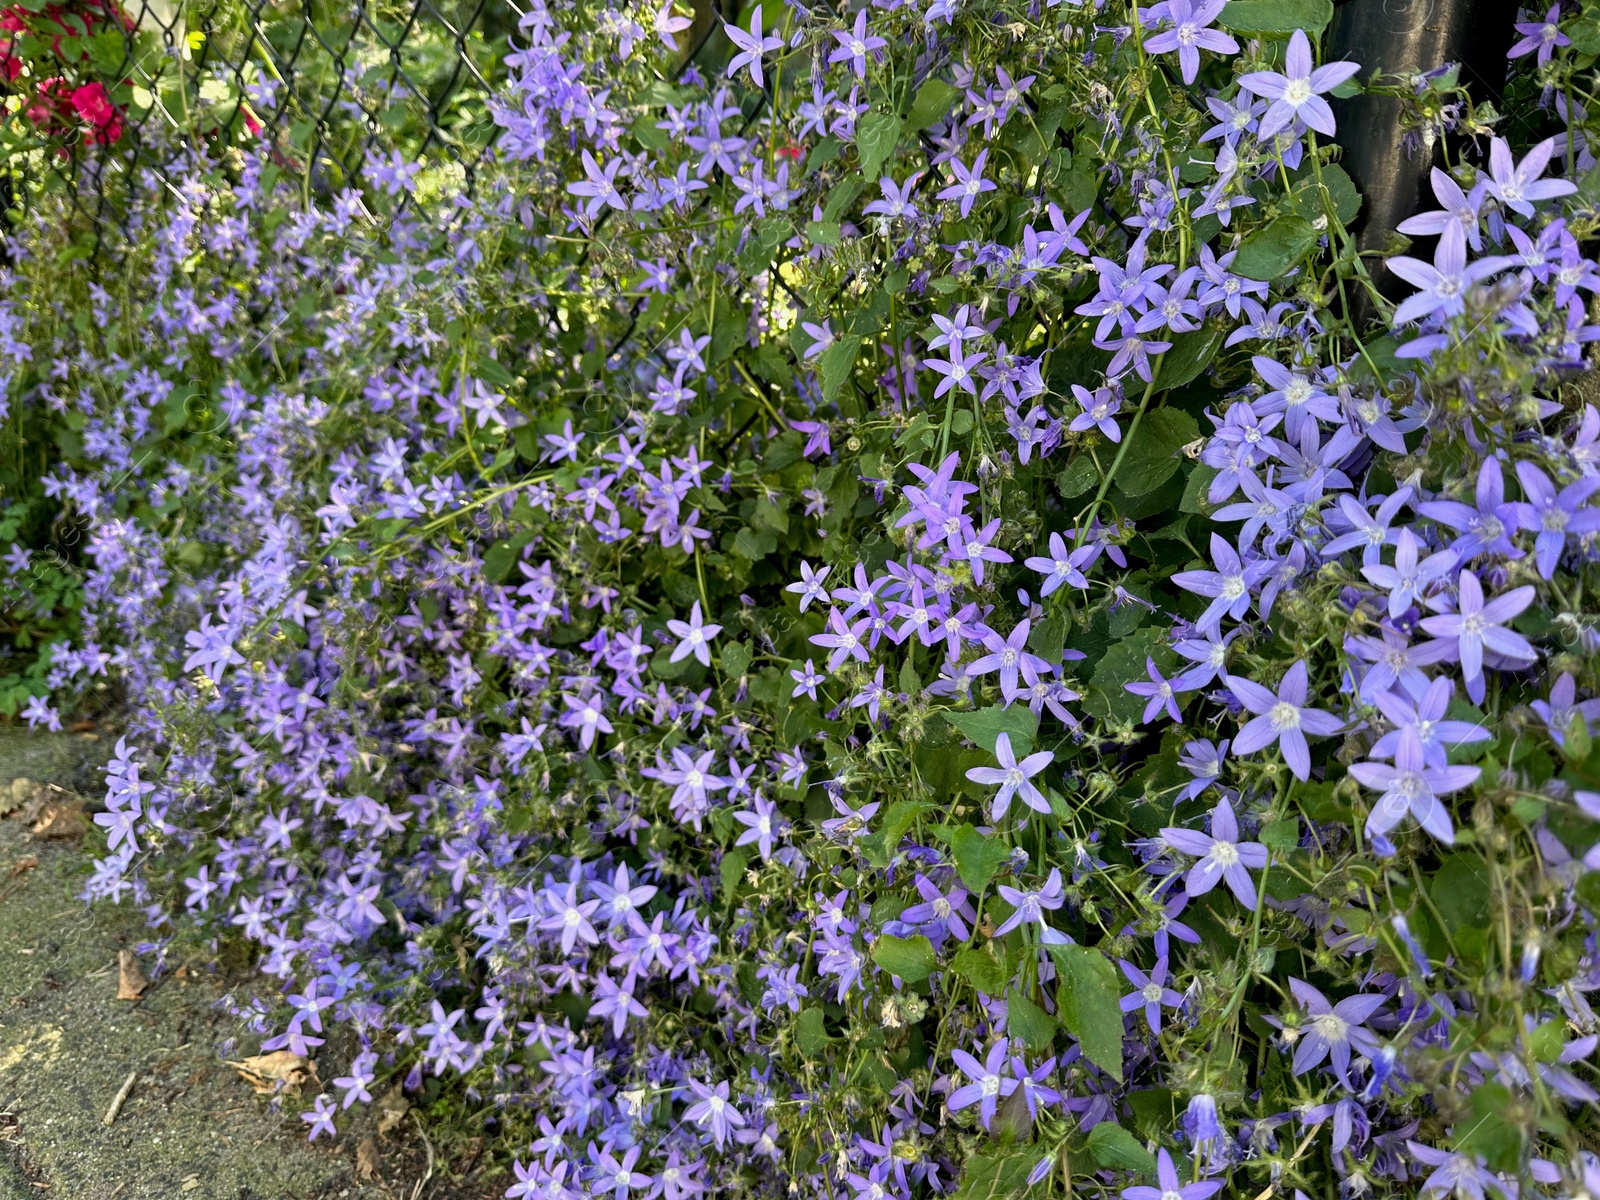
912 958
879 847
1342 196
1155 452
1281 836
876 138
1154 1113
1460 890
1190 354
810 1034
732 868
1277 16
1048 637
749 544
985 726
982 970
1487 1132
977 857
765 237
996 1174
835 364
1088 1005
1585 35
1081 475
823 233
735 658
1268 253
1123 663
498 561
934 99
1196 488
1115 1149
1029 1022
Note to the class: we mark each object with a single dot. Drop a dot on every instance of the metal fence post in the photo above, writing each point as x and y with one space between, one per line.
1407 38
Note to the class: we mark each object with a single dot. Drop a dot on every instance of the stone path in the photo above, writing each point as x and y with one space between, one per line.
189 1129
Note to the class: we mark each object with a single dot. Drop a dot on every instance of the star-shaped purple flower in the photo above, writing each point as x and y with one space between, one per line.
1223 857
1189 35
1013 777
1282 718
1294 93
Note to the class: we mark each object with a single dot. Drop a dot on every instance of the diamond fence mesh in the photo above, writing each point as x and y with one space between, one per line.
92 90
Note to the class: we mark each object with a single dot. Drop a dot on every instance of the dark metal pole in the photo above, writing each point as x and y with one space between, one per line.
1406 37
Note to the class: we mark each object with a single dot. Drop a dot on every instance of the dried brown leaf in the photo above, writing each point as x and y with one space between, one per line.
23 865
279 1071
61 821
15 795
392 1109
131 983
368 1163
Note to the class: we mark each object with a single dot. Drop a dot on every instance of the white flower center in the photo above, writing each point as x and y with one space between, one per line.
1284 716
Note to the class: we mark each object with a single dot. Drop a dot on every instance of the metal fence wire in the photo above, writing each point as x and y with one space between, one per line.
92 90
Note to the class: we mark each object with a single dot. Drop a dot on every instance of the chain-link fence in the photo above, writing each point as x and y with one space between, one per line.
92 89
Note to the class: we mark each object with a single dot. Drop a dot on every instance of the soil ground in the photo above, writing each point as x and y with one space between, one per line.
190 1128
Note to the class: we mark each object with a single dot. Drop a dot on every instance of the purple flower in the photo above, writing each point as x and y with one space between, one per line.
694 637
1189 35
844 640
1460 208
944 914
810 587
1010 657
989 1085
752 48
600 188
1171 1186
619 1178
761 826
1483 526
1558 714
1228 586
1444 283
713 1111
969 184
1159 691
1099 407
856 44
806 680
1517 185
1282 718
1223 857
1409 578
1061 567
1029 906
1332 1029
896 200
1553 515
1412 786
1150 992
1013 778
957 371
1427 717
1455 1174
1476 627
1204 761
321 1119
1294 94
1543 36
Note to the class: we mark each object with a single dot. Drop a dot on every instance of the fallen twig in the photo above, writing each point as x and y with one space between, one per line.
119 1099
427 1174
